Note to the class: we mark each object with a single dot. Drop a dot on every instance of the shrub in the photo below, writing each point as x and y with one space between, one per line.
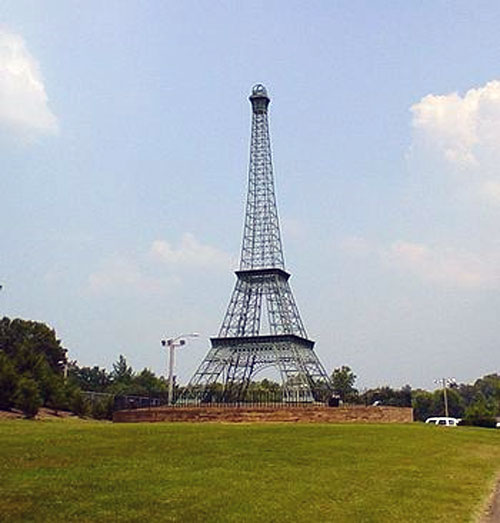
80 405
99 410
28 397
480 414
479 421
53 392
57 400
109 406
8 382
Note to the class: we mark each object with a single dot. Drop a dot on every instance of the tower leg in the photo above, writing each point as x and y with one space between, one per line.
226 372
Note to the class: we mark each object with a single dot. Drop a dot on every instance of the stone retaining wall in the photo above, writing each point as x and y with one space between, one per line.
308 414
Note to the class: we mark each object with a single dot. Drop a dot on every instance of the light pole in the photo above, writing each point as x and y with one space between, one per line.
172 344
444 382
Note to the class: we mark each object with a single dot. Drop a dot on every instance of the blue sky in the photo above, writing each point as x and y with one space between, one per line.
124 131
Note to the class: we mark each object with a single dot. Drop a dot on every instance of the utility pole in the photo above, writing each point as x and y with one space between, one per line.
444 382
172 344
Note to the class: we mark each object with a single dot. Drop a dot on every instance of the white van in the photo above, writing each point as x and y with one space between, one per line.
445 422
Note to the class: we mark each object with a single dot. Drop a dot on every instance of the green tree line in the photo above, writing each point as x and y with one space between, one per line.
476 404
35 372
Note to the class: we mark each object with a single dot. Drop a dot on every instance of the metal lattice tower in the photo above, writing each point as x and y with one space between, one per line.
262 326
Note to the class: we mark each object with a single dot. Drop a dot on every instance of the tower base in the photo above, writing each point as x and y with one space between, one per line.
284 413
230 365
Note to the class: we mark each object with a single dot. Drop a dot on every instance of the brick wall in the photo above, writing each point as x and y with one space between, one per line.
309 414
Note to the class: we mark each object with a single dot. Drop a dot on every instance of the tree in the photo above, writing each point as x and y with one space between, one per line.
22 338
80 405
102 408
388 396
56 394
121 372
427 404
50 384
264 391
28 397
481 413
8 382
489 387
422 403
93 379
30 350
343 380
468 393
148 384
455 403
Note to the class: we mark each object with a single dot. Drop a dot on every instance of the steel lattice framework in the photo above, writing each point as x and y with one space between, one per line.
262 326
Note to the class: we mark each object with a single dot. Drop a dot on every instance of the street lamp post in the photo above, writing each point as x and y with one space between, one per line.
445 382
172 344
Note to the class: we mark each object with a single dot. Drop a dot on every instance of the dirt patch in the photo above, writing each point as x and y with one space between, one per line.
491 513
43 413
10 414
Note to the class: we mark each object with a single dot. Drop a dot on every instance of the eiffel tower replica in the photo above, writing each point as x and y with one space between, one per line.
262 326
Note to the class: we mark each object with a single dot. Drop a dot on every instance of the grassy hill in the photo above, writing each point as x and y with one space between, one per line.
96 471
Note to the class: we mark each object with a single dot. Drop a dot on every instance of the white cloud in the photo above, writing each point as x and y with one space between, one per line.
191 252
119 273
24 109
141 274
464 129
445 266
441 265
124 274
448 123
456 142
464 132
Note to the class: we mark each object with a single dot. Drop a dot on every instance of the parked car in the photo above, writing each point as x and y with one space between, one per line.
443 421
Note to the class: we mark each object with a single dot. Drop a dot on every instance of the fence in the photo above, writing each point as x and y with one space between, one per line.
257 399
124 401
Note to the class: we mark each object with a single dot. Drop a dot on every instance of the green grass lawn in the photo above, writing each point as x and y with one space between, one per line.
97 471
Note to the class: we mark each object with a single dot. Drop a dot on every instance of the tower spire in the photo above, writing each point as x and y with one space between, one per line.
262 326
261 246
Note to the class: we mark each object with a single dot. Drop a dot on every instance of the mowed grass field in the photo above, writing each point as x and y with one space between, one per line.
78 470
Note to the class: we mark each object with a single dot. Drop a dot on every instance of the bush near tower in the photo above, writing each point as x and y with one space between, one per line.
32 362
